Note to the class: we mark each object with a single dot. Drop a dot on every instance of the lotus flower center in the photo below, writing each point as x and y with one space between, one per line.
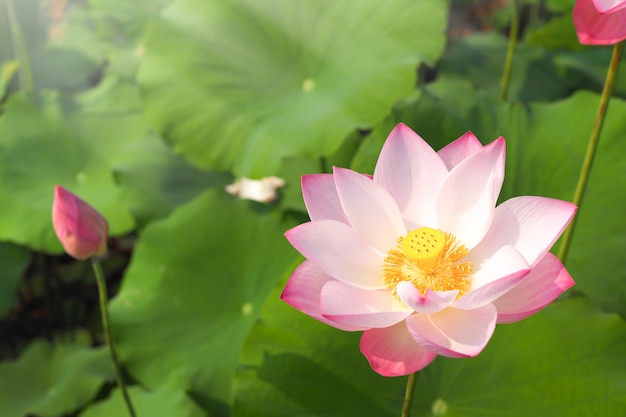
429 259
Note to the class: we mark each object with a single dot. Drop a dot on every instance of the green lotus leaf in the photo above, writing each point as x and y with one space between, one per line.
567 360
153 181
195 286
242 84
66 141
294 365
169 399
52 379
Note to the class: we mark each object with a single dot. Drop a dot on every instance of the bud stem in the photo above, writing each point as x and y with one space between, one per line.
108 337
510 53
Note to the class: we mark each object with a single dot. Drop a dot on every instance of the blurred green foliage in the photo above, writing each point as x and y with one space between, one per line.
148 109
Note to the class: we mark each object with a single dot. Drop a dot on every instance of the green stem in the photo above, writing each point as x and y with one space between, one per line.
508 64
24 72
408 395
592 146
108 337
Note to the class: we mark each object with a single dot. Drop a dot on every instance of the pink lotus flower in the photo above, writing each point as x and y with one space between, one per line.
420 257
81 229
600 22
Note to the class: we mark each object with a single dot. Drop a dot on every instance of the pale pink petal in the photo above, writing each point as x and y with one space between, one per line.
339 251
431 302
505 261
468 196
530 224
392 351
452 332
320 197
547 280
352 306
303 291
465 146
411 171
594 28
370 209
608 6
494 277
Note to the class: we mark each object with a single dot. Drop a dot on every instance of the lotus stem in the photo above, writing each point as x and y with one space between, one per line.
24 72
408 395
508 63
592 146
108 337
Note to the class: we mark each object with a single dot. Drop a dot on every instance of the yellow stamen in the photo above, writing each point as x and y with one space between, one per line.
424 246
429 259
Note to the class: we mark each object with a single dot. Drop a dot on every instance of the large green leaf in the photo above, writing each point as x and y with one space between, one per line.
169 399
568 360
545 148
154 181
194 288
50 380
292 365
591 63
241 84
548 156
65 141
291 171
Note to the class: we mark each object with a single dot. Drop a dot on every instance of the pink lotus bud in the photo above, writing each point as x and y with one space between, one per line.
81 229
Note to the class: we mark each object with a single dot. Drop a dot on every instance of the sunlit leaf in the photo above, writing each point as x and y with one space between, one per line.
194 288
241 84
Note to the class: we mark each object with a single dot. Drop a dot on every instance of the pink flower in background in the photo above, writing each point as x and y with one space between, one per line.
81 229
419 257
600 22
